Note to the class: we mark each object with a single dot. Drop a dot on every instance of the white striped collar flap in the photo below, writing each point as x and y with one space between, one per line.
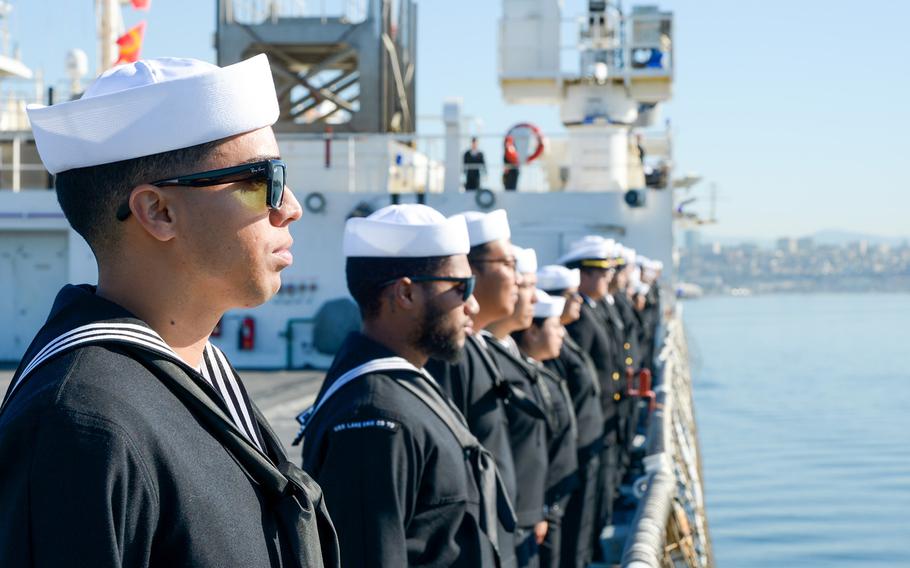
215 368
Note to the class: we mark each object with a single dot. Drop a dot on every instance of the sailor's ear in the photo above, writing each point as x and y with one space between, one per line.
153 211
403 291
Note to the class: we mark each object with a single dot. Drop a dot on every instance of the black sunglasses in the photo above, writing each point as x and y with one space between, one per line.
467 281
273 172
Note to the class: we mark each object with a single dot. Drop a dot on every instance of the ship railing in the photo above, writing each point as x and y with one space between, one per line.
411 163
670 526
384 163
20 166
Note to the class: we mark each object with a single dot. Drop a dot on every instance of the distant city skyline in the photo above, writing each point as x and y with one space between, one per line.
793 110
795 265
824 236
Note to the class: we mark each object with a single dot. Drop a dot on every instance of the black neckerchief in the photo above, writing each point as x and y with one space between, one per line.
518 397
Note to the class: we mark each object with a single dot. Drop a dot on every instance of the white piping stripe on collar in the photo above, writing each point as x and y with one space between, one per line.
217 382
384 364
149 339
143 332
242 400
228 386
90 336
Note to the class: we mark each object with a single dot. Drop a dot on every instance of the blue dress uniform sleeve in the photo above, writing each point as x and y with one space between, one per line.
370 480
92 501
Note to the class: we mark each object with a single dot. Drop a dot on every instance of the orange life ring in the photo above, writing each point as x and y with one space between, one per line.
538 136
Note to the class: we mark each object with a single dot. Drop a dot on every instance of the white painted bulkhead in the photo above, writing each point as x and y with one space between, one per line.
39 254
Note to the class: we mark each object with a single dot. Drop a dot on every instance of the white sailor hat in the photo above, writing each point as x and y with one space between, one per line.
648 270
525 260
153 106
405 231
486 227
557 277
548 306
627 254
592 251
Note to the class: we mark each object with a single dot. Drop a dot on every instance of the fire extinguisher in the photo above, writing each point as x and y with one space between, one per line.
247 334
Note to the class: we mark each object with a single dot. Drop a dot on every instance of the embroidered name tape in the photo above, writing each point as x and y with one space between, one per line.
380 423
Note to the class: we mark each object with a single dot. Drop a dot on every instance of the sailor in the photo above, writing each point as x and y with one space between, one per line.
126 438
539 343
617 306
650 316
620 292
574 364
591 255
473 381
474 165
407 484
528 412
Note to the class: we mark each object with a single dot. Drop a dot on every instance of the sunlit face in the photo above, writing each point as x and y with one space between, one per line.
497 281
545 341
524 306
594 282
622 278
572 311
227 236
446 318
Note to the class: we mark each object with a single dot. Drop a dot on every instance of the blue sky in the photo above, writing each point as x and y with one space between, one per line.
796 110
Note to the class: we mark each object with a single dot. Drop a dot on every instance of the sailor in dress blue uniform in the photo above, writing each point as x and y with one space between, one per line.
539 343
473 381
592 255
406 482
529 411
126 438
579 523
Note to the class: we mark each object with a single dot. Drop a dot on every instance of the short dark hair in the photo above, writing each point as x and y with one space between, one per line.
476 253
366 276
90 196
519 335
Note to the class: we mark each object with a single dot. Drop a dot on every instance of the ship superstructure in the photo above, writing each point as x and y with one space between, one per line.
348 131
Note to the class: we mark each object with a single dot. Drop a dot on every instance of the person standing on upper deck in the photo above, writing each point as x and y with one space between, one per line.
510 164
474 166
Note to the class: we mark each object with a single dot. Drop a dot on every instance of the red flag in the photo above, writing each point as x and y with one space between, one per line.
131 44
142 4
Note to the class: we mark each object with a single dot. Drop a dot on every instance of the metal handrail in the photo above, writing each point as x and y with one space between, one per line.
672 464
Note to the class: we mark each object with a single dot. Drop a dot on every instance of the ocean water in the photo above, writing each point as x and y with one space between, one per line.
803 407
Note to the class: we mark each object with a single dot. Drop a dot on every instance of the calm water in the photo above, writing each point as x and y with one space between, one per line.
803 405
